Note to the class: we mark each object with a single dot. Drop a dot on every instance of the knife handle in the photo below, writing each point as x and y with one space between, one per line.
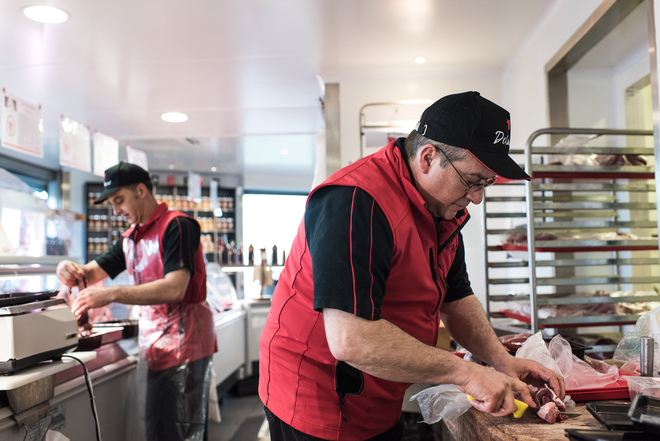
521 406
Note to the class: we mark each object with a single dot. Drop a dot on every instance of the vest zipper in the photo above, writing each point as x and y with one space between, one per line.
434 273
341 408
440 249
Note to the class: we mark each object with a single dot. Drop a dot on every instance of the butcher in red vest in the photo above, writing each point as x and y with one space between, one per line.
162 254
378 262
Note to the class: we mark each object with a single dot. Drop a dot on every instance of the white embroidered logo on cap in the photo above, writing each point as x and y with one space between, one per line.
500 137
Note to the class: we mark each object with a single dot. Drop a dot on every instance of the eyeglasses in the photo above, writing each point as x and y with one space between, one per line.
470 186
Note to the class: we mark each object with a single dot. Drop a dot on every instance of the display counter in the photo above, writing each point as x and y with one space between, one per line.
478 426
257 312
229 361
111 370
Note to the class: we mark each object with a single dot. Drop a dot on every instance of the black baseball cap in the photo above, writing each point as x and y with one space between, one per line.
470 121
121 175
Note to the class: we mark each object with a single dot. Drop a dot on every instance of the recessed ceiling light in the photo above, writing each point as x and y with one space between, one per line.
284 152
174 117
45 14
171 166
213 169
420 60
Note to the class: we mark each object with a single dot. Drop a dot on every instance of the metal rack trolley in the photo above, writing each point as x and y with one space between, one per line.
573 200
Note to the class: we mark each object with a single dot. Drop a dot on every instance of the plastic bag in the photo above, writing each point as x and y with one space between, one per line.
534 348
559 357
220 291
627 351
441 402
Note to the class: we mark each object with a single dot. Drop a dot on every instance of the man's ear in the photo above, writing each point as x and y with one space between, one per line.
141 189
427 154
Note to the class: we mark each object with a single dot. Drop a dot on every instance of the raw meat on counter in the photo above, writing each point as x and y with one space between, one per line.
549 405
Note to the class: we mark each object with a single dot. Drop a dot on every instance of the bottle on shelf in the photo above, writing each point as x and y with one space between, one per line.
221 250
231 255
225 251
274 255
251 255
283 257
239 254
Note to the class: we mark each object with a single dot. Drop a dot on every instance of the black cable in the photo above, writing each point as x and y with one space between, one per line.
50 423
91 395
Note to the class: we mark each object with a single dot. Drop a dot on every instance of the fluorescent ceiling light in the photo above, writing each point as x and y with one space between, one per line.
174 117
45 14
420 60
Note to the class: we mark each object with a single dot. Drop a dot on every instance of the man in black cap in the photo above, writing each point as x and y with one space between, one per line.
162 255
377 263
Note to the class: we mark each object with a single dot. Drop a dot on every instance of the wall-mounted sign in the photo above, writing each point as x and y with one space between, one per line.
137 157
75 148
106 153
22 126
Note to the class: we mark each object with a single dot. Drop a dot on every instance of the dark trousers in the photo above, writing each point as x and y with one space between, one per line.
281 431
177 402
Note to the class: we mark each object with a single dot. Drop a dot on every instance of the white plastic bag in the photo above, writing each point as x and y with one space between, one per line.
441 402
578 373
627 351
559 357
534 348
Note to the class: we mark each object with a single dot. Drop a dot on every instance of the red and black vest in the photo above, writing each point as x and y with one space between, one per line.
297 370
173 333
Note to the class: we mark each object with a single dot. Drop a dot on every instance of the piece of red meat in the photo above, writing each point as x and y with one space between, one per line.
550 413
548 404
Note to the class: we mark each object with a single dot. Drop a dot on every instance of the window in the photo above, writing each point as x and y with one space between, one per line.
269 220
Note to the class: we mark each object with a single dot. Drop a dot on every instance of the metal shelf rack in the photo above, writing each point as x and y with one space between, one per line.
576 205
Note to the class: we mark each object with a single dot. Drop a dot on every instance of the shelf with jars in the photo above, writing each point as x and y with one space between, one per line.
103 228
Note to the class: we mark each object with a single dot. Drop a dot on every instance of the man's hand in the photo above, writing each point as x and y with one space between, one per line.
92 297
493 391
70 273
534 373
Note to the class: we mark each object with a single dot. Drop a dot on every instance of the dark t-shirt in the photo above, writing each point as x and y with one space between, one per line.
180 244
351 245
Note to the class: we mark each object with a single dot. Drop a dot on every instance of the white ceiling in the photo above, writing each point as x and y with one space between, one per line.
245 71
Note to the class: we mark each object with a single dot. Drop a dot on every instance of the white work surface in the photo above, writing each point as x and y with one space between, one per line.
42 370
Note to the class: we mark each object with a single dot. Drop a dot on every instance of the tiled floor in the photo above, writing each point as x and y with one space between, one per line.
241 419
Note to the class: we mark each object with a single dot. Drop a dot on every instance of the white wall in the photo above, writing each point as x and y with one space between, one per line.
523 82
